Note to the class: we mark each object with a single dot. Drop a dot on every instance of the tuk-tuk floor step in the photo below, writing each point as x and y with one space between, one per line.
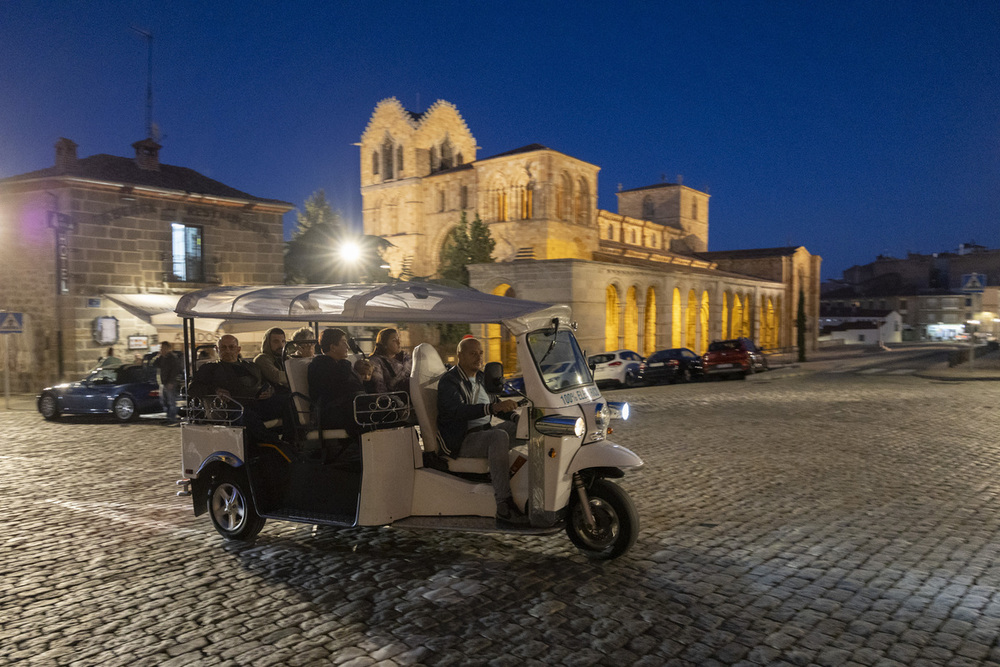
472 524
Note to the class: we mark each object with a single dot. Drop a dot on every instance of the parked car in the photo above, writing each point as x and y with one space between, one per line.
123 391
733 358
678 364
620 367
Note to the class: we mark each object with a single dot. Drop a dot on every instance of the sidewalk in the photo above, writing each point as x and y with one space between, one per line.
18 402
985 366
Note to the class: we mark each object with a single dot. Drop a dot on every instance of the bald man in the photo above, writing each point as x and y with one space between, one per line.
233 377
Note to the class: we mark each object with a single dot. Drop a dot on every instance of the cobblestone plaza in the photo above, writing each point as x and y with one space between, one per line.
827 518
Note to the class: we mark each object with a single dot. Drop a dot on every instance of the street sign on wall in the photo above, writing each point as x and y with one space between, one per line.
11 323
973 282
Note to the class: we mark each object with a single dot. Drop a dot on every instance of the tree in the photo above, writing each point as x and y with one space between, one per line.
466 244
314 253
800 323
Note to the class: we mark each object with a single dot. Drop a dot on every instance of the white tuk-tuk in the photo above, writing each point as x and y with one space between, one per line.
397 475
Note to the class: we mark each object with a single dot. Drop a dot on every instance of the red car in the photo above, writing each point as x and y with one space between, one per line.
733 358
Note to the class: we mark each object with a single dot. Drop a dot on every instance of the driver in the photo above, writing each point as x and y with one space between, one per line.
465 411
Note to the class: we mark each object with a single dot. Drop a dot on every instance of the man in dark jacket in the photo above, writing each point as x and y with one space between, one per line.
465 412
333 383
232 377
169 365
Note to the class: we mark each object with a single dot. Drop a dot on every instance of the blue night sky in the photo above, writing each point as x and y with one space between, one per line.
852 128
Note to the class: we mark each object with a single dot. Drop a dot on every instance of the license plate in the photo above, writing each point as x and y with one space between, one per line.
656 364
723 365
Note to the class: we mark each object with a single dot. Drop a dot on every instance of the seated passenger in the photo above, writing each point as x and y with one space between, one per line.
465 411
391 370
233 377
333 383
304 350
269 360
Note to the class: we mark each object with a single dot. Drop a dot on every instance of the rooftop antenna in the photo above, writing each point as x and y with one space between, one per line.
149 78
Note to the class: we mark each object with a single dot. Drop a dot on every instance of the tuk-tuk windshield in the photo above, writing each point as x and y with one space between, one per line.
558 359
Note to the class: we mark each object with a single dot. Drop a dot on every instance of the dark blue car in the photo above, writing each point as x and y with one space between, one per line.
125 392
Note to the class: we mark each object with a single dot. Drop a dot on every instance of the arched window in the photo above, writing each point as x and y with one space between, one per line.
528 202
388 152
694 209
459 159
501 205
611 232
583 202
447 159
611 318
725 316
399 160
434 159
567 197
647 208
464 196
375 163
441 201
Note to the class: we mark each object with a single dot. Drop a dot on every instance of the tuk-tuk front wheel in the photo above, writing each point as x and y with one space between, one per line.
616 523
231 507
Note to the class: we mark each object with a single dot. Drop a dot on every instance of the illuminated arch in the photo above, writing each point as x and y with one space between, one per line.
724 329
649 327
611 310
631 319
676 321
691 321
703 324
737 319
768 337
500 344
749 315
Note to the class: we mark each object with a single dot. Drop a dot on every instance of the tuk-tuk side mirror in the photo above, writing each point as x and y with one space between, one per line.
493 377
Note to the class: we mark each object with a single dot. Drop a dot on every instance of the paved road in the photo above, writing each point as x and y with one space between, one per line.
831 519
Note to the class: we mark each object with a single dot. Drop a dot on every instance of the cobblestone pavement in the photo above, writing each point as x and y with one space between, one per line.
832 519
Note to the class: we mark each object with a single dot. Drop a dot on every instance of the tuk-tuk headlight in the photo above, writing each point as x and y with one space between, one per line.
602 414
619 410
559 425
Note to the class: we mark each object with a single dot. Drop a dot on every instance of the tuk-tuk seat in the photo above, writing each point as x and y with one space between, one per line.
425 372
297 371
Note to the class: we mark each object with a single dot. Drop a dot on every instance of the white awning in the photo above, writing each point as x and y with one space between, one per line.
371 304
158 310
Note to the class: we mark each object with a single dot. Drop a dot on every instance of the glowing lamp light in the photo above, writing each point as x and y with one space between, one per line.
350 252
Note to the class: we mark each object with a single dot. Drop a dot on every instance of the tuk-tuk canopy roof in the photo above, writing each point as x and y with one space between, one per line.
369 304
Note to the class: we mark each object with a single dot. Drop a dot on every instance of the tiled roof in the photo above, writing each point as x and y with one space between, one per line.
103 167
530 148
651 187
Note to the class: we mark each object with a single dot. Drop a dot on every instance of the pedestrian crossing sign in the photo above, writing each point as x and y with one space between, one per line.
11 323
973 282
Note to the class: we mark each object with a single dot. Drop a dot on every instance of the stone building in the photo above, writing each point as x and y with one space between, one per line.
641 278
98 249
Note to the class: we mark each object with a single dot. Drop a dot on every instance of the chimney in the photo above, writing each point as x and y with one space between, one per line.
65 154
147 154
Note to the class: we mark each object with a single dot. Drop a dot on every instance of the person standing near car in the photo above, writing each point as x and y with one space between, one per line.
169 366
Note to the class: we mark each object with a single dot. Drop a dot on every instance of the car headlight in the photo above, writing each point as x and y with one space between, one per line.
603 414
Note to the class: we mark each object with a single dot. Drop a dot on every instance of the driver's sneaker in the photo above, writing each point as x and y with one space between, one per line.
508 515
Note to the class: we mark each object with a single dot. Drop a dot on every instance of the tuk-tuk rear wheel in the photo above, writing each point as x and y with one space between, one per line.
231 507
616 522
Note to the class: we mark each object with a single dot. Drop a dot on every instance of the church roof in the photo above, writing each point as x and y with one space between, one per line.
651 187
103 167
752 253
530 148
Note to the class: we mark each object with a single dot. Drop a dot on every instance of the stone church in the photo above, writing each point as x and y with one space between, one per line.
642 278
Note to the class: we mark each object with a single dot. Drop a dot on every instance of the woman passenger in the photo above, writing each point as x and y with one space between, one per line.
390 365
